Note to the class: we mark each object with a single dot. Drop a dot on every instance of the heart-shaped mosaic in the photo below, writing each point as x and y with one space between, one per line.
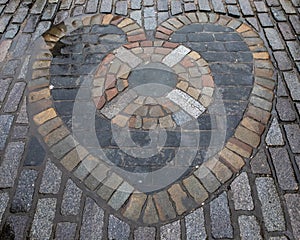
154 128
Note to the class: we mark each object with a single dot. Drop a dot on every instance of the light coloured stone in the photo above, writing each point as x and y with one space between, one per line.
176 56
128 57
274 135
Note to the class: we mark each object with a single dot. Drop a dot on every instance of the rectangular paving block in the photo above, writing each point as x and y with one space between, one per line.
187 103
14 97
246 7
293 84
128 57
4 198
293 205
10 164
5 126
71 199
175 56
170 231
120 196
195 225
51 179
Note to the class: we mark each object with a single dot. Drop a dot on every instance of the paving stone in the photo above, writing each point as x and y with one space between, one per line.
171 231
265 20
136 4
71 199
148 3
22 200
293 204
218 6
195 225
60 17
11 7
146 233
21 45
274 135
220 217
287 6
36 154
195 189
246 8
150 23
284 170
106 6
4 47
295 23
49 12
242 193
162 5
120 196
294 47
293 84
137 16
150 214
65 231
17 225
91 6
274 39
38 7
233 10
260 7
293 132
31 24
41 28
43 219
5 126
4 84
121 8
259 163
283 61
209 181
4 21
249 227
190 7
10 164
117 229
20 132
278 14
4 198
164 206
51 179
284 110
63 147
12 31
65 4
270 204
176 7
204 5
134 207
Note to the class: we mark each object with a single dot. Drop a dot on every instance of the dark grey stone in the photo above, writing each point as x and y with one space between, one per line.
293 133
51 179
195 225
21 45
92 221
176 7
5 125
293 205
145 233
14 97
246 8
270 204
249 227
4 198
106 6
43 219
121 8
295 23
284 110
4 84
36 154
63 147
259 163
284 169
17 226
220 217
274 135
20 132
283 60
65 231
170 231
117 229
24 193
71 199
9 69
10 164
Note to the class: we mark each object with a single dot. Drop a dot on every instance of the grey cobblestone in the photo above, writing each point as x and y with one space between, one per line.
92 221
293 205
293 84
284 110
294 47
249 228
195 225
171 231
246 8
270 204
21 45
136 4
43 219
18 226
12 6
5 126
284 169
117 229
121 8
49 12
4 20
14 98
283 61
274 39
106 6
65 4
91 6
10 164
4 198
242 193
293 133
278 14
22 200
220 217
218 6
71 199
38 6
20 132
274 135
162 5
259 163
145 233
204 5
287 6
265 20
23 117
65 231
51 179
176 7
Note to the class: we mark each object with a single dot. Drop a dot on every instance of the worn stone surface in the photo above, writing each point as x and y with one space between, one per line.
259 163
5 125
4 200
293 201
171 231
249 227
195 225
147 233
117 229
274 135
293 132
71 199
65 230
51 179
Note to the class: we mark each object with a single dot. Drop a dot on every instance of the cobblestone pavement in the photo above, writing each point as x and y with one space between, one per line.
167 119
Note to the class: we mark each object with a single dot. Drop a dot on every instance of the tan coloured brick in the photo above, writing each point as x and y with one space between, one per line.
120 120
164 206
38 95
57 135
222 172
243 28
150 214
247 136
194 55
125 22
239 147
253 125
71 160
179 197
49 126
261 55
231 158
107 19
44 116
134 207
195 189
258 114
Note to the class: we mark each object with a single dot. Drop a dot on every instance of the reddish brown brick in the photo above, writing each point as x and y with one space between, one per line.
139 37
111 93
